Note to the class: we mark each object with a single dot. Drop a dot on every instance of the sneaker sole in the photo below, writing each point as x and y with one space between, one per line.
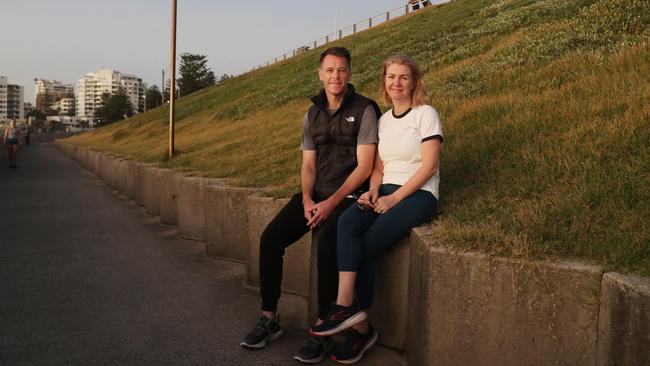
309 360
356 359
352 321
262 344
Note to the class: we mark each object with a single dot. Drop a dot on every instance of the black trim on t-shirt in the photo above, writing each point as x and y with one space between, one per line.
401 115
436 137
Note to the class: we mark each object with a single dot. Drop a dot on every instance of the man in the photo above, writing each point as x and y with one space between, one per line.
339 141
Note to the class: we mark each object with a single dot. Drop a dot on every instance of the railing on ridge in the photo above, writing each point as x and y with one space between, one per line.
347 31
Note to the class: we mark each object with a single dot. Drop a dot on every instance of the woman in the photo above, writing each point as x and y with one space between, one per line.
403 194
11 135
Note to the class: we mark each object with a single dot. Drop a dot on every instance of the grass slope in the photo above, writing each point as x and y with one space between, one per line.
544 106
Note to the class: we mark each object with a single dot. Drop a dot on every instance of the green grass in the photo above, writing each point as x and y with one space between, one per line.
544 106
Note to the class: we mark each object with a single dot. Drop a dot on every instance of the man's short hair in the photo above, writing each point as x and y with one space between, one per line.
337 51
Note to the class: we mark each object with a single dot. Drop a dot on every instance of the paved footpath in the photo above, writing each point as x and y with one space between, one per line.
87 278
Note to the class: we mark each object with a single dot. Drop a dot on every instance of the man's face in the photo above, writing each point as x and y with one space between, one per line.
335 73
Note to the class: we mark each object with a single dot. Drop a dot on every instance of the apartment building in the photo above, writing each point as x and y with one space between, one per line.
12 100
65 106
89 90
48 92
3 98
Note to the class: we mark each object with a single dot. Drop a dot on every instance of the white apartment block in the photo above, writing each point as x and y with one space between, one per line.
64 106
89 90
12 101
3 98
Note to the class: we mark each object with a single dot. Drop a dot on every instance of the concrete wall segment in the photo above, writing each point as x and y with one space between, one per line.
139 183
151 189
227 222
624 321
191 207
470 309
297 263
169 196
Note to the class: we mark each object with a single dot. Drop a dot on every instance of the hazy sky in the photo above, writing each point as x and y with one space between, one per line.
66 39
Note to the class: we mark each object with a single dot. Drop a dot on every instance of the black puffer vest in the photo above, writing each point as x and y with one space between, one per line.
335 137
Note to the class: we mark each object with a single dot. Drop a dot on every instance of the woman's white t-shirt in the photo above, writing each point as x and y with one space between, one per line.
400 144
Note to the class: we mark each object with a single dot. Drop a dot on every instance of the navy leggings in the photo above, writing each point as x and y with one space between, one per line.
365 234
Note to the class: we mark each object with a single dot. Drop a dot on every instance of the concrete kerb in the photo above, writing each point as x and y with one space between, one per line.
297 263
169 196
227 210
151 190
624 321
191 207
471 309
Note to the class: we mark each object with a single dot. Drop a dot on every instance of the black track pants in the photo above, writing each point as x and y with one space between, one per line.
285 229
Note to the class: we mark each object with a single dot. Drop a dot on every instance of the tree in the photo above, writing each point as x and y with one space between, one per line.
153 97
114 107
224 77
194 73
37 114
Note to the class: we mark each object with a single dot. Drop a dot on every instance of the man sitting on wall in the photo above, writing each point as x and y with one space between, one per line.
339 139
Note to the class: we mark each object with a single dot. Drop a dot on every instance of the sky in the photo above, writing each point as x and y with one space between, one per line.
65 39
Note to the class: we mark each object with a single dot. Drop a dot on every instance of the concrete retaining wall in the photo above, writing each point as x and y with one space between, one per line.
169 196
138 183
442 307
151 190
296 258
227 222
624 324
475 309
191 207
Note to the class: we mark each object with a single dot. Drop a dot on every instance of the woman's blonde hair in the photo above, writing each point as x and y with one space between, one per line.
419 95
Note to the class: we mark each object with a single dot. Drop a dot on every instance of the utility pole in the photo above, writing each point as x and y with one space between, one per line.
162 87
336 17
172 82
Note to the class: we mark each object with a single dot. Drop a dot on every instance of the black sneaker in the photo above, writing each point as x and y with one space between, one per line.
265 330
354 346
338 319
313 350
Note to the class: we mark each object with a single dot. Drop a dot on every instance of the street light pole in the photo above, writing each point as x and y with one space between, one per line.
172 82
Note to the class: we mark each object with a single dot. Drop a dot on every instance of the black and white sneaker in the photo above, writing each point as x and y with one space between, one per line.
265 330
339 319
354 346
313 350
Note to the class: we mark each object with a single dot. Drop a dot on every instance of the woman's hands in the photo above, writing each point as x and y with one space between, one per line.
368 199
385 203
371 200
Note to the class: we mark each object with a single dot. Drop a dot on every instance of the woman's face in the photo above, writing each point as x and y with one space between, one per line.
399 83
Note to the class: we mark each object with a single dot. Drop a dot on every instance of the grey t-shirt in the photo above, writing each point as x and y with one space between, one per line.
367 130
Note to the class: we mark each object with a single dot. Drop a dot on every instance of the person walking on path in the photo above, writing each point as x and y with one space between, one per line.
11 139
339 137
403 194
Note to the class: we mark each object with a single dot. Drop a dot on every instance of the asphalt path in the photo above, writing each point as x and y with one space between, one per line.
87 278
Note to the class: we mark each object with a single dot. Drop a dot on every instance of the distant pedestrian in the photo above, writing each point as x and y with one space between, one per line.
11 140
27 134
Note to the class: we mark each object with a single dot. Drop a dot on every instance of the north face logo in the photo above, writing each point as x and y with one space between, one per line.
349 119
